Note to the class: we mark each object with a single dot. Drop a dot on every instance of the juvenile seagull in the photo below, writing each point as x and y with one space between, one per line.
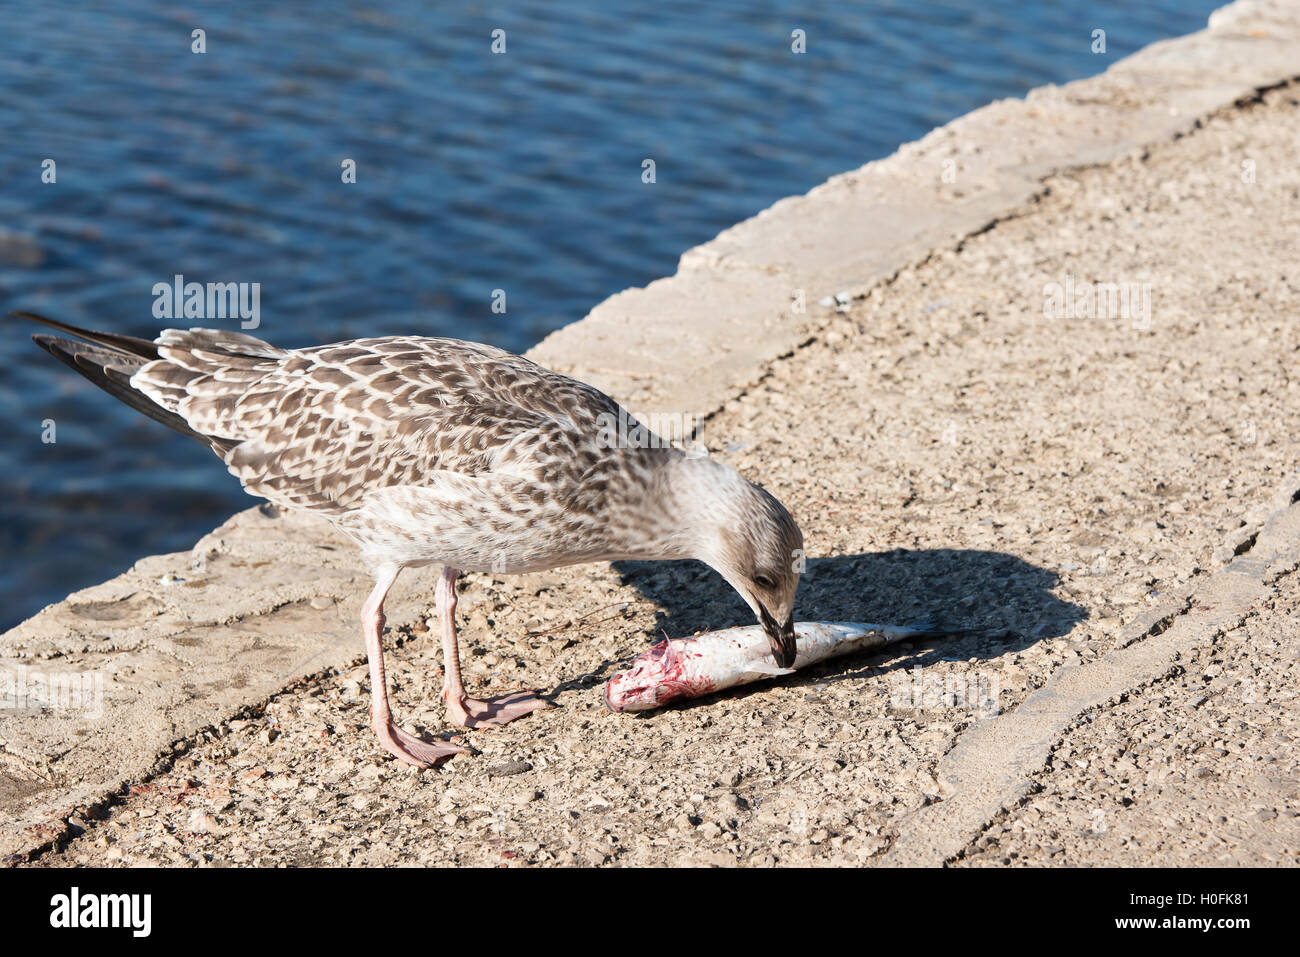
438 451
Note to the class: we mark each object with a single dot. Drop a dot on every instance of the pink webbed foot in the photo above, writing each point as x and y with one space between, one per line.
407 747
478 712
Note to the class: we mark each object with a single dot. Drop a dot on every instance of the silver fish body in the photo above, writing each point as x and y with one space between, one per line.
690 667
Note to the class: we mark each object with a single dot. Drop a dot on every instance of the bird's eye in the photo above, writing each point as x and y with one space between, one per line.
762 581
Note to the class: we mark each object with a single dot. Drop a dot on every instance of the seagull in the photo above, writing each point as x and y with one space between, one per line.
435 451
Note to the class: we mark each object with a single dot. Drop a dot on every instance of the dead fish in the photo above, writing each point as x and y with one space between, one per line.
691 667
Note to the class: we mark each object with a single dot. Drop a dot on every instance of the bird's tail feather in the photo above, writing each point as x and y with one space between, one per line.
109 360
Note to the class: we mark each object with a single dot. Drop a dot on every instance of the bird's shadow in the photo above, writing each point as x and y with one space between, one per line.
983 604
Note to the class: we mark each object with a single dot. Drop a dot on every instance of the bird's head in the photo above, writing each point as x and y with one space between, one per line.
750 539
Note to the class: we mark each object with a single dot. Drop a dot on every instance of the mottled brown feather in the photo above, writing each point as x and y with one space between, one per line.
320 427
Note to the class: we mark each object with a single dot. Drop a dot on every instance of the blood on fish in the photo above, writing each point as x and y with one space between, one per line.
658 676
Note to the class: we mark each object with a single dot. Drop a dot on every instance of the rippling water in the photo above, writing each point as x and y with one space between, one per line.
475 172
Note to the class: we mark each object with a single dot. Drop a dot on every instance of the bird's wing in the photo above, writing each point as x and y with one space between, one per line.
319 427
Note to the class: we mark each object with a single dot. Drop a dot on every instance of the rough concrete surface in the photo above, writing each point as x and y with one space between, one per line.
1103 505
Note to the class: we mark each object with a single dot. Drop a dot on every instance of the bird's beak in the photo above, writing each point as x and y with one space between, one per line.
781 637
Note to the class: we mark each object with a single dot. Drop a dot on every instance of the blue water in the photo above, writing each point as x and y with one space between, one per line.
475 172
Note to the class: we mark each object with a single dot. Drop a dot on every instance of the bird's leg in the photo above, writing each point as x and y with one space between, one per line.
466 711
397 742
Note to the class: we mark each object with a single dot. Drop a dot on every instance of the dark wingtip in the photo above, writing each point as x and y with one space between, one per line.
45 321
56 347
107 361
130 345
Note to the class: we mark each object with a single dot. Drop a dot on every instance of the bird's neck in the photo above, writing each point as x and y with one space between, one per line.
677 511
